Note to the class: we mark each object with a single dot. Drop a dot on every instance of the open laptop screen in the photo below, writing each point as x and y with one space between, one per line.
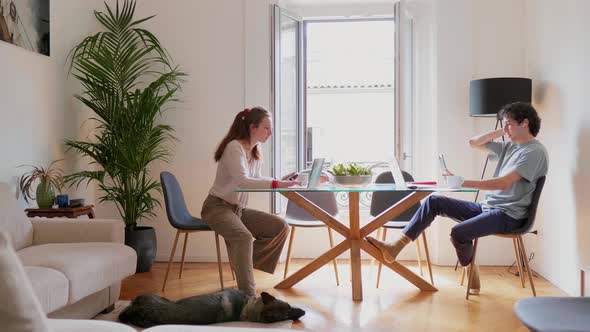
316 172
398 177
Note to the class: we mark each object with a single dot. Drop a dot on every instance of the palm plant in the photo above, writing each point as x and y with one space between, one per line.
127 78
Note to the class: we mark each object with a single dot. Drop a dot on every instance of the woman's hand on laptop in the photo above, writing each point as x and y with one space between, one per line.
287 184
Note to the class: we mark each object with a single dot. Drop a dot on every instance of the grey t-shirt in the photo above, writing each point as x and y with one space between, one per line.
530 161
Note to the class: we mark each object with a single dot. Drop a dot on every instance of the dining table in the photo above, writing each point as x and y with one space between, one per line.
354 235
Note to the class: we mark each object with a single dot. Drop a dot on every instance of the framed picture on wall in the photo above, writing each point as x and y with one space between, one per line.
25 23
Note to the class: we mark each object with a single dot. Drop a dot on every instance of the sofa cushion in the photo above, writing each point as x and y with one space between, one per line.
20 311
84 325
13 219
50 286
216 328
89 267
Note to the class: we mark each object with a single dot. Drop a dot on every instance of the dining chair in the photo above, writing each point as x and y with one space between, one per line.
297 217
381 201
550 314
184 223
517 241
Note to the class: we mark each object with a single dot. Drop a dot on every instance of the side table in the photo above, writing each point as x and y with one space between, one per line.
62 212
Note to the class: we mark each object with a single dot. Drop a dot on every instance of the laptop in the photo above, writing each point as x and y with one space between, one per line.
398 177
314 176
400 182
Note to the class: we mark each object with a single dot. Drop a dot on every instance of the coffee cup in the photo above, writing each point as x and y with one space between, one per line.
454 181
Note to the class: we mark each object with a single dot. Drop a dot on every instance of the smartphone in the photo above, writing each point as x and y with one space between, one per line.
290 177
443 163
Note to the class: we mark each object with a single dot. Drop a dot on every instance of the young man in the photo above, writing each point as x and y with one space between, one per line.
505 208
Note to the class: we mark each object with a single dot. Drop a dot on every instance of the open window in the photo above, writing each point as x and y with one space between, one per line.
337 86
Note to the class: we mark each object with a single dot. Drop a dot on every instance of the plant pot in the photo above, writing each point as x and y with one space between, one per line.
143 240
45 195
353 180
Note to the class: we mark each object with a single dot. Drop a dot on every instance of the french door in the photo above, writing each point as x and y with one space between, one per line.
287 97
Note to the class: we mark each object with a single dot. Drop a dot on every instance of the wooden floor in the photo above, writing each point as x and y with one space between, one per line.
396 306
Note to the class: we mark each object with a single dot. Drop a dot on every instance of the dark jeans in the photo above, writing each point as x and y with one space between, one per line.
473 222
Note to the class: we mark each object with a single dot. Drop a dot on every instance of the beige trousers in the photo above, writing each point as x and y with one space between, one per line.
254 240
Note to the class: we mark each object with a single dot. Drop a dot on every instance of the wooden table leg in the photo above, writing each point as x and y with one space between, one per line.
398 268
355 249
314 265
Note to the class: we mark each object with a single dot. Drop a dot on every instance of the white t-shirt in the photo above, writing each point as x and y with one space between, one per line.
234 172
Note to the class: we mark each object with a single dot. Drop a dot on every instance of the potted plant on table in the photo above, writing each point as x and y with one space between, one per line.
127 78
49 178
351 175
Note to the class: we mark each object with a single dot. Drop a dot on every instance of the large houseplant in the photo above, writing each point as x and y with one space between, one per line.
127 79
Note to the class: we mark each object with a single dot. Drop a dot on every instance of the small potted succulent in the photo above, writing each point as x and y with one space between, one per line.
351 175
49 178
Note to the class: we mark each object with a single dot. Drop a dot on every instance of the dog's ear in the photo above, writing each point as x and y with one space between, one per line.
296 313
267 298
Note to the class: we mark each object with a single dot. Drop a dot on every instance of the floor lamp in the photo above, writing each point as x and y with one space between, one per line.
487 96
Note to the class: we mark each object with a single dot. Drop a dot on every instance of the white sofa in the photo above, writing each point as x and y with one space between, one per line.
75 265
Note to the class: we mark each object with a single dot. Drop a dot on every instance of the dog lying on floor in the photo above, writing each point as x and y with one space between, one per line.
223 306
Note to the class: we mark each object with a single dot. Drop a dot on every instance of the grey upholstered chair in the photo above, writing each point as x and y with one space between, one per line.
298 217
380 201
180 218
516 237
554 314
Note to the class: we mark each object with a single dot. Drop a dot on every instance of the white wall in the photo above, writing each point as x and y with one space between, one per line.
557 60
460 40
32 115
544 40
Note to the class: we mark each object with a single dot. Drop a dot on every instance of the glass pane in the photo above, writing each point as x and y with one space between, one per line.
288 94
350 96
373 187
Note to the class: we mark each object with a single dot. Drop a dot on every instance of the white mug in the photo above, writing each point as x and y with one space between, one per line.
454 181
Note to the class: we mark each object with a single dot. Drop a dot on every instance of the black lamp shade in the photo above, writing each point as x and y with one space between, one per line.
488 95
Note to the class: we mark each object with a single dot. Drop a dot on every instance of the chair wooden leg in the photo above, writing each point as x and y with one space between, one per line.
526 264
183 255
334 262
427 257
289 249
219 260
456 264
518 263
380 266
419 255
470 276
170 260
463 269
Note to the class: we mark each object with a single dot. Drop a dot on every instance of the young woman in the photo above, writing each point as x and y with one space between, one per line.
255 239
